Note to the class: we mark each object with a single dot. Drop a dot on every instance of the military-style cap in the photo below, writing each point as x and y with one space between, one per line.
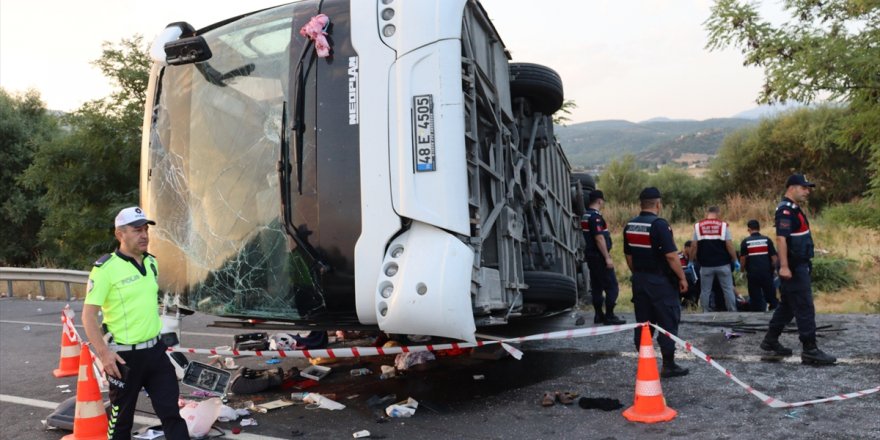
799 179
596 195
649 193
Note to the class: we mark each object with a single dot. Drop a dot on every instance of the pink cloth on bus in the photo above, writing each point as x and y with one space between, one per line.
314 30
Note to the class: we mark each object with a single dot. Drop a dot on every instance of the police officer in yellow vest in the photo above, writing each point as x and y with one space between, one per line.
123 285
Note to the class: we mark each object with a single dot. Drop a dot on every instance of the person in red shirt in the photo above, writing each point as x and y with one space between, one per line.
715 254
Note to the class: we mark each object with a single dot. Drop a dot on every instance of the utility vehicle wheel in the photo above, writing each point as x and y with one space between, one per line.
555 290
540 85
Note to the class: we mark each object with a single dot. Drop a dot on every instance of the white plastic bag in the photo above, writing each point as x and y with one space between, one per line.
200 416
227 414
405 408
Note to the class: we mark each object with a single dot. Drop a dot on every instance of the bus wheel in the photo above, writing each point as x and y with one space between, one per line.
554 290
540 85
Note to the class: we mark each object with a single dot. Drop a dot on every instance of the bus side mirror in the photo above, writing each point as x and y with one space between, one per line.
187 51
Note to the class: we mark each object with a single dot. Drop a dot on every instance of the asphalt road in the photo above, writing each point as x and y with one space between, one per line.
504 403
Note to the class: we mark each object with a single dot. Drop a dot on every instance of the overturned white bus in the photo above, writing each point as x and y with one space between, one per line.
409 181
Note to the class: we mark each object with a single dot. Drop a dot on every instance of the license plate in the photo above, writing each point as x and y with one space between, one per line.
425 157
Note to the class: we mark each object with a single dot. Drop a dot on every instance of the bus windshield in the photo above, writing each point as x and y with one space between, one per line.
215 142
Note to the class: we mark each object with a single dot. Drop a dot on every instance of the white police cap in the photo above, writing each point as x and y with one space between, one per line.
133 216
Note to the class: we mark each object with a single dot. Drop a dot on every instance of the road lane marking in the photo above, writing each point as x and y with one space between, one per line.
140 420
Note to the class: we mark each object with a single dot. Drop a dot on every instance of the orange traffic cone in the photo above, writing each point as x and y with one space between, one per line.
649 405
90 420
69 363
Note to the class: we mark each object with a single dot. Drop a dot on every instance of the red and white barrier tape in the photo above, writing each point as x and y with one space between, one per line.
378 351
770 401
67 325
564 334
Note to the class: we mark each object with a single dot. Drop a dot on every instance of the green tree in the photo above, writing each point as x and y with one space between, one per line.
684 196
828 48
91 173
622 180
561 117
24 124
757 160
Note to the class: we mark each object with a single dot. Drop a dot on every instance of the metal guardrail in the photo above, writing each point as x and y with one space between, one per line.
10 274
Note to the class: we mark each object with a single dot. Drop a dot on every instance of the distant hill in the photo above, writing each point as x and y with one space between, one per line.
657 140
768 110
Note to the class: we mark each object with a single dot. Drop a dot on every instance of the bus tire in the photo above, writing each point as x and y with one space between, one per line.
538 84
554 290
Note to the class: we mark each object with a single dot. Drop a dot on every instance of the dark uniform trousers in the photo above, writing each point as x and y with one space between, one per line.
150 369
602 279
656 299
761 291
796 303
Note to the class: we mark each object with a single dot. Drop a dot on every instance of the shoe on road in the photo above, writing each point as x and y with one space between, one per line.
775 347
817 357
614 320
673 370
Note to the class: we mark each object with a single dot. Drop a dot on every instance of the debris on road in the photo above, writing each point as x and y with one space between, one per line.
404 408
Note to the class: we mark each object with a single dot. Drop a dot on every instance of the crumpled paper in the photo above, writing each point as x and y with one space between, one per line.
322 402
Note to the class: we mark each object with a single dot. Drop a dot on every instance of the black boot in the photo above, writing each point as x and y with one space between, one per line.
771 343
670 368
612 319
599 317
812 355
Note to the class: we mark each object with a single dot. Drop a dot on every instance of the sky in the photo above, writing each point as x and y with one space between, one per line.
618 59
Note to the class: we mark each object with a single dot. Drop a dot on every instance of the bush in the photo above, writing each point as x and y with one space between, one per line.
865 213
622 181
831 274
684 196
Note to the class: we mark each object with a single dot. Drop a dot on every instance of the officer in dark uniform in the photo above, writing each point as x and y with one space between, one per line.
757 256
598 248
657 279
795 245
